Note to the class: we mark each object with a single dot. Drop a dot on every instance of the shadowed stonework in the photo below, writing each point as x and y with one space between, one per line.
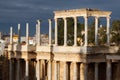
54 62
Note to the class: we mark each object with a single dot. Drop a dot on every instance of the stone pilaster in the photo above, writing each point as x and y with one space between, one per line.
75 31
108 70
96 30
56 32
65 31
86 31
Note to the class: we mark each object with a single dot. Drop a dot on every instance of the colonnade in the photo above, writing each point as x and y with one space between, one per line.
57 70
85 28
38 31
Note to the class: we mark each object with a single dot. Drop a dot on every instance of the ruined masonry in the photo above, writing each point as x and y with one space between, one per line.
54 62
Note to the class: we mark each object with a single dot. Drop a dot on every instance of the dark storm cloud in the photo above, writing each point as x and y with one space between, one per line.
20 11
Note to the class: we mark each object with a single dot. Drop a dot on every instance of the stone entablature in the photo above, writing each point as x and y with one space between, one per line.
55 62
81 12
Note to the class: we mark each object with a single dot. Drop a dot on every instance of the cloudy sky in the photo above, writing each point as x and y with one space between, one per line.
13 12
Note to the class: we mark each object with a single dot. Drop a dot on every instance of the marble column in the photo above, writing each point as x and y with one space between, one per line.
38 33
83 71
36 36
108 70
18 33
75 31
18 70
49 71
50 31
27 33
65 31
10 70
56 32
26 69
63 73
42 69
54 70
11 35
73 71
108 30
38 70
96 71
86 31
96 30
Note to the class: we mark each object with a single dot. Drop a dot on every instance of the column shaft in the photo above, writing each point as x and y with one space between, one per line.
54 70
18 70
27 70
75 31
108 30
86 31
65 31
10 70
27 33
11 35
96 30
83 71
38 70
49 71
108 70
50 31
63 72
38 33
36 36
18 33
56 32
96 71
73 69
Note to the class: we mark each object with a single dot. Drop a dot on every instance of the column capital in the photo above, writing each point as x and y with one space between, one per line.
38 21
108 17
50 20
64 18
26 59
18 26
96 17
85 17
74 17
